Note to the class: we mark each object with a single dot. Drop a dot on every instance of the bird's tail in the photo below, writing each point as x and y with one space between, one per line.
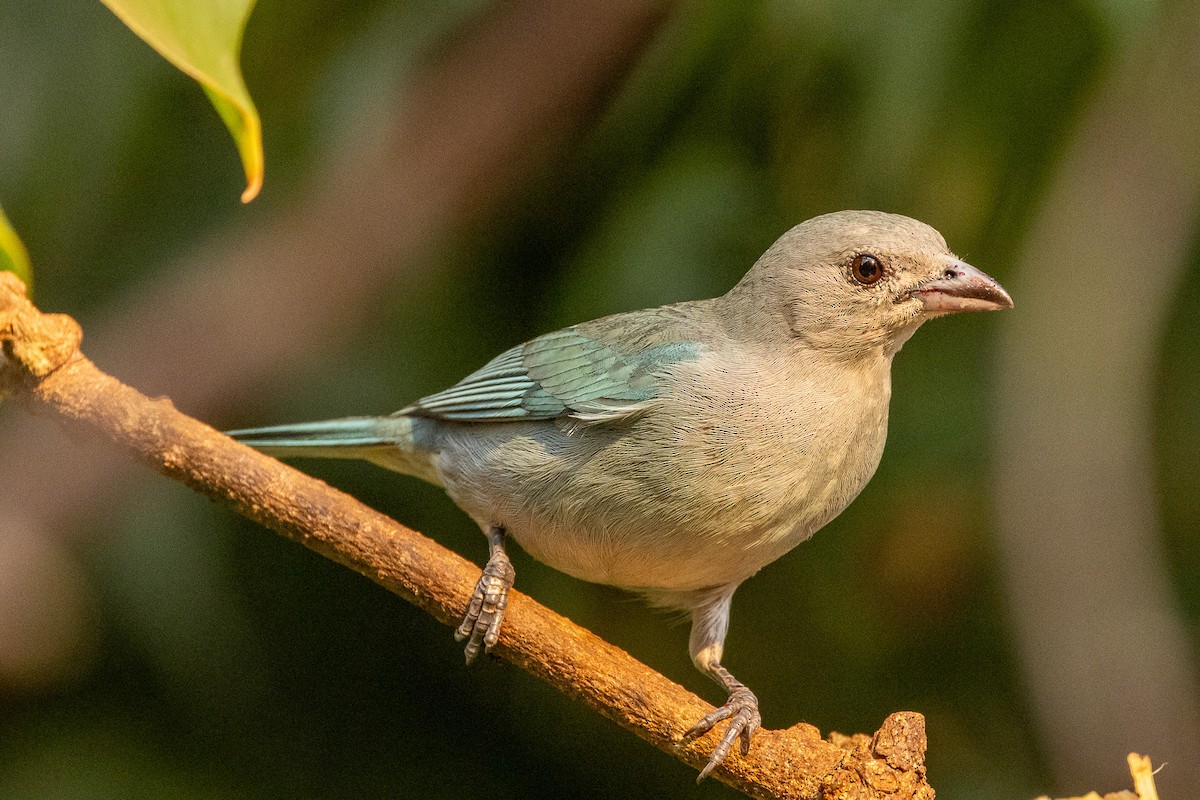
387 441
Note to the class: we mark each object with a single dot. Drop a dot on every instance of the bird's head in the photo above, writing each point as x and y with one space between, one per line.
858 282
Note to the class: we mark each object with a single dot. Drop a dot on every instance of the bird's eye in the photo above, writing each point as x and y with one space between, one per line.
866 269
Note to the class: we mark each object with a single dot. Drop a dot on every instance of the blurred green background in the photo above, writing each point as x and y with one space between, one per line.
154 645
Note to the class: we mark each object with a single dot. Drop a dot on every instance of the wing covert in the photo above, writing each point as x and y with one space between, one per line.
560 374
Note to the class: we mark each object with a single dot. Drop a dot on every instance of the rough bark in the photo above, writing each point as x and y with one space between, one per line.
46 372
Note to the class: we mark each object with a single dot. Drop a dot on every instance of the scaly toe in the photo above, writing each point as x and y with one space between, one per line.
481 622
744 719
706 723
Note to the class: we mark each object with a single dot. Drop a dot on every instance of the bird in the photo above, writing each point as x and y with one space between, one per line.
676 451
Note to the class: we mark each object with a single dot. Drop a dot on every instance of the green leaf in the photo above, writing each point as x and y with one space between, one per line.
13 255
204 39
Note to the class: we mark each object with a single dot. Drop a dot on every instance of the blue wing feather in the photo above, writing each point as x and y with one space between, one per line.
564 373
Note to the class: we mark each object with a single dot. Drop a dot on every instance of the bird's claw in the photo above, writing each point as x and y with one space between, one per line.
481 624
741 709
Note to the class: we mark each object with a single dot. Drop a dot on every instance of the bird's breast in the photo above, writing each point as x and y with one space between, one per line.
784 450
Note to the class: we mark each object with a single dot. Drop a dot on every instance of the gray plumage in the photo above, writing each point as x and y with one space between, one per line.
676 451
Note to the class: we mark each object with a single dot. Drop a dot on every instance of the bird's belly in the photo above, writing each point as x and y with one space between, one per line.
634 556
668 562
690 540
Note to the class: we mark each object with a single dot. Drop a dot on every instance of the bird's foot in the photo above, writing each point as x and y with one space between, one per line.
481 624
741 709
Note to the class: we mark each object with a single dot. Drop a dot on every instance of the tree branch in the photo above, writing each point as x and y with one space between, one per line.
47 374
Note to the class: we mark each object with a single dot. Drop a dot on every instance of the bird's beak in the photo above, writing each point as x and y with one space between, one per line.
961 287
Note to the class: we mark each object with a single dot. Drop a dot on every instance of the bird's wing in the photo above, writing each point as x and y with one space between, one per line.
562 374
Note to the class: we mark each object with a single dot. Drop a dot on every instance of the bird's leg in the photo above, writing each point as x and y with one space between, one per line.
481 624
710 622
